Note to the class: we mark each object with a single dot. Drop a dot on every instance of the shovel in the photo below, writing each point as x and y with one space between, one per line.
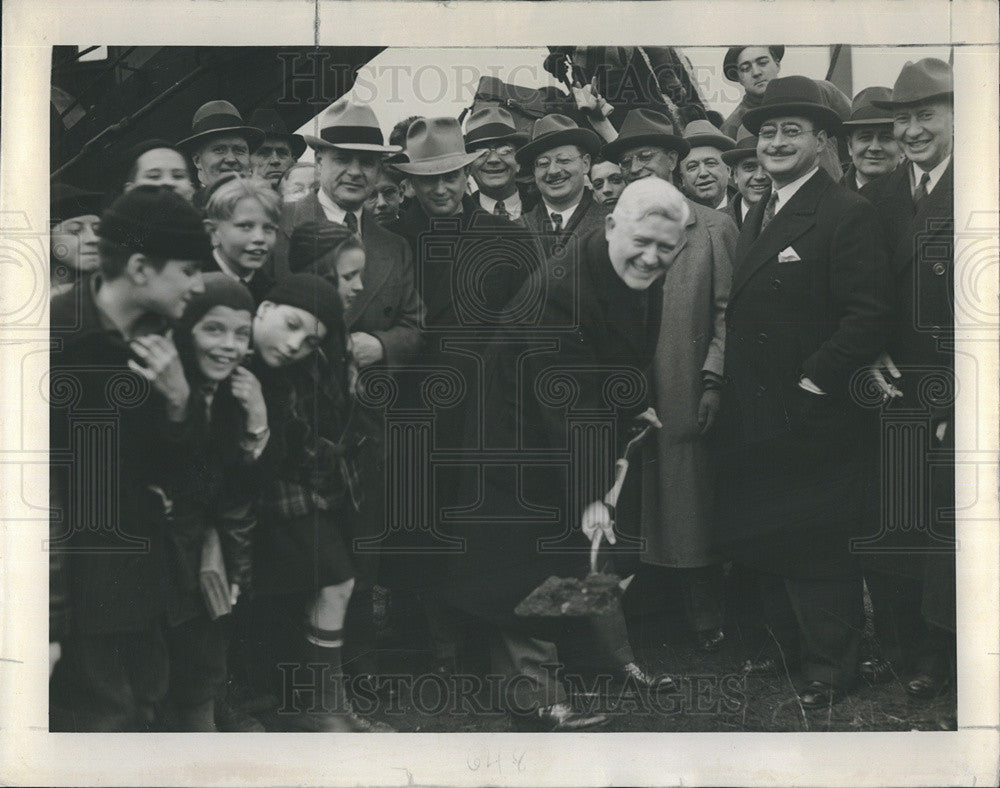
595 595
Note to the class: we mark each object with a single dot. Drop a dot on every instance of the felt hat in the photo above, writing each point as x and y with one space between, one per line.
924 80
492 124
863 110
157 222
701 133
269 121
218 117
313 294
67 202
350 125
646 127
435 146
746 147
730 63
792 96
553 131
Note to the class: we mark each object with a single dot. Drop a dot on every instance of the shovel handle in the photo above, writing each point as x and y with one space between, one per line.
595 544
621 469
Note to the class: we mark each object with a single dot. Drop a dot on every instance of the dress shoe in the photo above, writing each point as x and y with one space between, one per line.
635 675
230 719
874 670
818 695
925 685
710 640
558 717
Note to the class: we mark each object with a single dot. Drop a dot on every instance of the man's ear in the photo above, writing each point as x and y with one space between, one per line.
586 158
822 136
210 225
674 158
609 225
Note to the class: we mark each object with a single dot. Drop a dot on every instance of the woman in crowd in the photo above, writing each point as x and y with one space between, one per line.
207 500
74 215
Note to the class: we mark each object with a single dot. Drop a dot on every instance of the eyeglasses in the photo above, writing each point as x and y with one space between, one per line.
644 157
563 161
788 132
499 150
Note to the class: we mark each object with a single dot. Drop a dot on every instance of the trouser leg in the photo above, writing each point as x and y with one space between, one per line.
830 620
778 619
528 666
197 670
703 590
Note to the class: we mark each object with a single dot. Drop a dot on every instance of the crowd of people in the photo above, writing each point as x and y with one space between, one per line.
414 363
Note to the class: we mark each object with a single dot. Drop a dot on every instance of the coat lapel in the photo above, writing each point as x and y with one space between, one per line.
931 218
377 267
789 223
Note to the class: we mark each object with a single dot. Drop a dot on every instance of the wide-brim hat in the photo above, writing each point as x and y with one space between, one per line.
701 133
864 112
269 121
492 124
350 125
215 118
435 146
553 131
792 96
67 202
646 127
918 82
746 148
730 63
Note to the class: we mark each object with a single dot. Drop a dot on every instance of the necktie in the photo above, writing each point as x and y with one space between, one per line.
351 221
500 210
769 211
921 191
556 220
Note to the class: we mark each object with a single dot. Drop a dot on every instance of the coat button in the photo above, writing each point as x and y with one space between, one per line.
728 379
761 390
775 284
761 338
939 269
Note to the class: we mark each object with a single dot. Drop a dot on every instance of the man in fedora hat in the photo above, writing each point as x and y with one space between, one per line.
873 148
754 67
807 312
279 150
220 142
687 373
913 590
559 153
492 129
704 174
383 321
752 182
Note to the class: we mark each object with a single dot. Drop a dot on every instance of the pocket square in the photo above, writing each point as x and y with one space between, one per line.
788 255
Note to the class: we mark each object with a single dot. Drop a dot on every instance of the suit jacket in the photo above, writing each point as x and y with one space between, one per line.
388 307
259 285
734 210
587 216
808 298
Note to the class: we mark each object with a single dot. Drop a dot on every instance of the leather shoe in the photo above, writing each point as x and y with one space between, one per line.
557 717
710 640
635 675
924 686
818 695
874 670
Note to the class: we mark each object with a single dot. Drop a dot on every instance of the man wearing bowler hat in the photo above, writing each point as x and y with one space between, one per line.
687 371
873 148
279 150
913 587
754 67
704 174
807 313
219 143
492 129
752 182
383 322
559 154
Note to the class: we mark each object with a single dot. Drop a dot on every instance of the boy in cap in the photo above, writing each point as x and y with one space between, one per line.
116 363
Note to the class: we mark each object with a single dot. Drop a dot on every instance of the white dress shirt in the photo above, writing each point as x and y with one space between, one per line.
565 213
935 175
334 212
511 204
786 192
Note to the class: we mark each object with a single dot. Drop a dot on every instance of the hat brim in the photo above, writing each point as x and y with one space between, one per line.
613 150
823 116
950 94
586 139
515 138
318 143
253 136
438 165
295 141
736 155
719 141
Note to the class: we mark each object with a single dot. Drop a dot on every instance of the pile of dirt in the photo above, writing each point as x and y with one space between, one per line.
566 596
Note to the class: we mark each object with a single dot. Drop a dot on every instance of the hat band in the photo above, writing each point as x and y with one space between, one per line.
220 121
490 131
356 135
874 116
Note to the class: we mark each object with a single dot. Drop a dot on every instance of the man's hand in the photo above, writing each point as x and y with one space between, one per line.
55 654
247 391
597 519
649 416
366 349
161 366
708 409
884 366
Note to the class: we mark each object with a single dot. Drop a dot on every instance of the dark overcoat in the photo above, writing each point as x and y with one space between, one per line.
560 400
808 298
921 345
589 214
